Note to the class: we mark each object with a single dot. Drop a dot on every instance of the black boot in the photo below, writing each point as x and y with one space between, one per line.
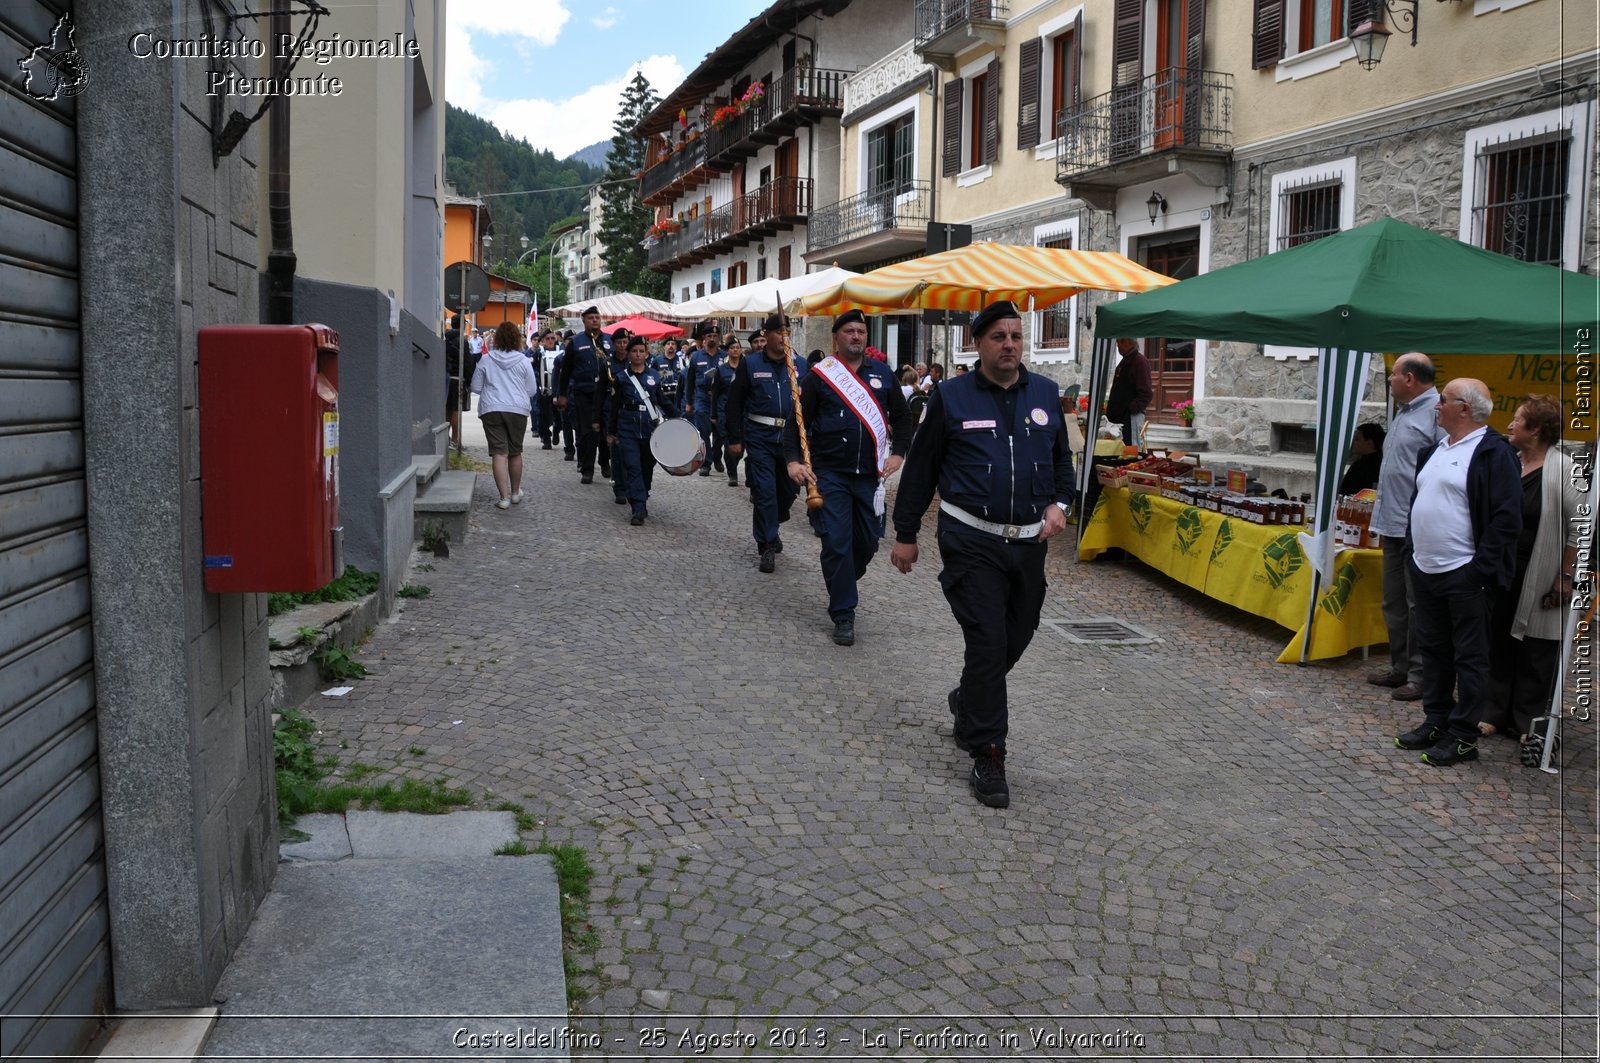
989 778
769 558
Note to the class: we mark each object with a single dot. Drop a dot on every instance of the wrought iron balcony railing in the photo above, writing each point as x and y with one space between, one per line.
938 18
1190 110
801 93
898 206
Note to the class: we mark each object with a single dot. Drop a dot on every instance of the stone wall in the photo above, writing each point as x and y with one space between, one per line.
181 676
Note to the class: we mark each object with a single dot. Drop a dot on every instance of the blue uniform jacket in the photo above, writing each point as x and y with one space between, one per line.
696 378
626 416
1000 454
839 439
583 368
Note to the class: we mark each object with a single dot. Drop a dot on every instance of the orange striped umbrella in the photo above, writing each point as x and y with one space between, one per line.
972 277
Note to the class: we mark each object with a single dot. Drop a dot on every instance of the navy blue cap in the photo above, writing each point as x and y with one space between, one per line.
993 312
848 317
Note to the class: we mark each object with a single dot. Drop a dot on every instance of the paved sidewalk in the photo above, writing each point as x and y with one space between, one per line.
1207 854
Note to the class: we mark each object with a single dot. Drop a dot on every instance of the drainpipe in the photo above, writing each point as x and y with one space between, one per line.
281 258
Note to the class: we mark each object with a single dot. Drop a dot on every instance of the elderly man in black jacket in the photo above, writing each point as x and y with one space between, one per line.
1465 520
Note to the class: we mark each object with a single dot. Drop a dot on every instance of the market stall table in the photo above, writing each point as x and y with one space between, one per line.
1259 568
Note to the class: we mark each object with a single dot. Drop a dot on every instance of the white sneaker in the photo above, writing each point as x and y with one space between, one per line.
516 498
504 503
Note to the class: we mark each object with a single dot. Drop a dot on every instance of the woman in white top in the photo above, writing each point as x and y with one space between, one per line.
506 386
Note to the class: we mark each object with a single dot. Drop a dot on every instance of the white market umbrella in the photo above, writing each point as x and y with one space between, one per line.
620 305
760 297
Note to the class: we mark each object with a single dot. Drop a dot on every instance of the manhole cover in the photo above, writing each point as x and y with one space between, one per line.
1101 630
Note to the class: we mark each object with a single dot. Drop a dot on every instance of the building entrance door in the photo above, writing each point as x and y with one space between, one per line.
1171 359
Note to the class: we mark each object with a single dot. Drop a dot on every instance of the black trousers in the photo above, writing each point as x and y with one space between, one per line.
1522 672
995 588
1452 625
590 438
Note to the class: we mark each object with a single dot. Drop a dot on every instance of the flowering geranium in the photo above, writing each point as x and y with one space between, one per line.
1185 410
663 228
723 115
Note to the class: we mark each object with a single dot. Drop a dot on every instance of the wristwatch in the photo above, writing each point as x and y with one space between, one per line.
1063 507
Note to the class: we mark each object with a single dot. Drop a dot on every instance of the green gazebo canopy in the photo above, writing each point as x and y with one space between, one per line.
1384 286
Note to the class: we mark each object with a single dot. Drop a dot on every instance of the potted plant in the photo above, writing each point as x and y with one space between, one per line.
1185 411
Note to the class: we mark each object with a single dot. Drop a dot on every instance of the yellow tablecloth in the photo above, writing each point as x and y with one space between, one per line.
1258 568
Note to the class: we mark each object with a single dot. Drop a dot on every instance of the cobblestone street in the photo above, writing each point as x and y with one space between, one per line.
1207 855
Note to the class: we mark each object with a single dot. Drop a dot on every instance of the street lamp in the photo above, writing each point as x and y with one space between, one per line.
1372 35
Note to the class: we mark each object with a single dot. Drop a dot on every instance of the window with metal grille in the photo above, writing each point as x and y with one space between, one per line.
1521 199
1055 323
1308 212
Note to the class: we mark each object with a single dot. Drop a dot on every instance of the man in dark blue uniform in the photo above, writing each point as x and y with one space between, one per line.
620 340
583 375
760 405
858 426
721 386
633 409
696 387
994 446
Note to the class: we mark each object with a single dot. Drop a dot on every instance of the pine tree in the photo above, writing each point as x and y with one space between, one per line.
623 219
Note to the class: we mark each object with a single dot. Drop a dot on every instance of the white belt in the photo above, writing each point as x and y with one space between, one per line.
775 422
1005 531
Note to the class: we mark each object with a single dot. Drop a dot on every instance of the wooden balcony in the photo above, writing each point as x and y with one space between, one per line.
782 203
668 177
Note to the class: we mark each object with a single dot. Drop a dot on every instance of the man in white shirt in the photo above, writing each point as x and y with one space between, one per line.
1465 520
1412 429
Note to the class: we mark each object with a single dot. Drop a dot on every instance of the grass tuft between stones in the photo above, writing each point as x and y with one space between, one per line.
303 788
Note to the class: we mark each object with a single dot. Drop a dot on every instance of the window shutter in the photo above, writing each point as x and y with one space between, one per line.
783 262
1127 43
952 127
1195 36
1267 35
1357 12
1077 62
991 113
1028 93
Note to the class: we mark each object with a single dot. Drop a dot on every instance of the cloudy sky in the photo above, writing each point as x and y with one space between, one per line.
553 71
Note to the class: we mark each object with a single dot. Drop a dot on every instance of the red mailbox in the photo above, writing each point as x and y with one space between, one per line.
269 457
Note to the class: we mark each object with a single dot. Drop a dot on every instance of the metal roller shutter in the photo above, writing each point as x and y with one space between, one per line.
54 951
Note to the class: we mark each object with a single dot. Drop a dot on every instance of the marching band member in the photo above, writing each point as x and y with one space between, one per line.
696 382
993 444
858 426
721 385
760 405
633 409
583 372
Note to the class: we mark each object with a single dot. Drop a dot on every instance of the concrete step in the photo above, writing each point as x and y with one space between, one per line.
295 673
427 466
408 918
446 502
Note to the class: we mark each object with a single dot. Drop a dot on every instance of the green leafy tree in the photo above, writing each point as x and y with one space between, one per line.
623 218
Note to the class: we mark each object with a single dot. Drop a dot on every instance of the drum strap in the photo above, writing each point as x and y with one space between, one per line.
644 397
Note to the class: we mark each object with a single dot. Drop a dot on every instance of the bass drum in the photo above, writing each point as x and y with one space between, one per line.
677 447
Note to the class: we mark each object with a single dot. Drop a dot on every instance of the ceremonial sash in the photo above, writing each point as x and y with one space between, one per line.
858 399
